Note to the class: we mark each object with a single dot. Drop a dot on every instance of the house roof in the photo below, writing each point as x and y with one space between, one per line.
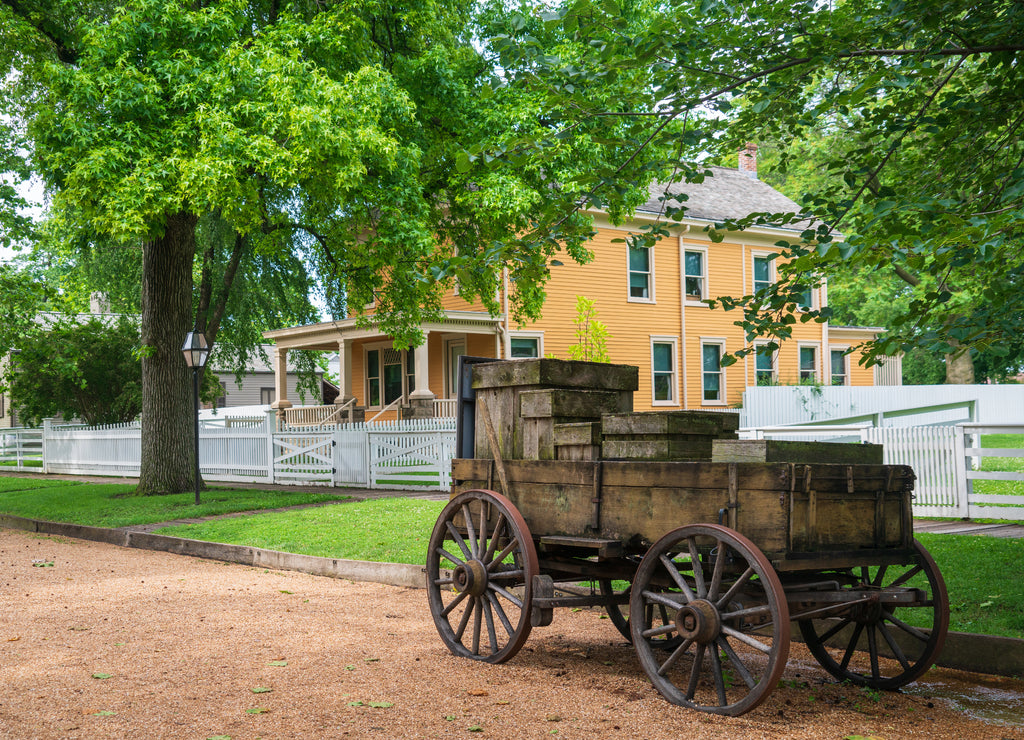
726 194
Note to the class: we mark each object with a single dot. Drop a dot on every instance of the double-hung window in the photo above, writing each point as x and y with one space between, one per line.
764 365
695 274
641 274
840 374
712 376
762 272
808 364
664 381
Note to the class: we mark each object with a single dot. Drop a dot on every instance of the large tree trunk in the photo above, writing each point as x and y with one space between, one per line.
960 368
168 459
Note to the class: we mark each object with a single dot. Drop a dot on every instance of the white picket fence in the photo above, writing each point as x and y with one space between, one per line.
945 459
413 454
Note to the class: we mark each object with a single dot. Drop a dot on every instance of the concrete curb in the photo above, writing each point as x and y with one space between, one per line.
1001 656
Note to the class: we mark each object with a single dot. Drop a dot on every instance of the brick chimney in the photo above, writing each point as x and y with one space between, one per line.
748 160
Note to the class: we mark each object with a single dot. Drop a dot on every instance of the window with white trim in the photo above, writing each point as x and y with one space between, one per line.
712 374
664 378
840 366
695 274
641 274
805 298
525 345
808 364
762 272
266 396
765 368
390 375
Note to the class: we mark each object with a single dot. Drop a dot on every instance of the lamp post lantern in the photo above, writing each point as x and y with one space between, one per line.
196 351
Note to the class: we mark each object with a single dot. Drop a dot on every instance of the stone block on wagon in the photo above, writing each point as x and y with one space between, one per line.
665 435
525 399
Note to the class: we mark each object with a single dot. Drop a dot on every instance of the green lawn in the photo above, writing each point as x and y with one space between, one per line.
390 530
113 505
1015 464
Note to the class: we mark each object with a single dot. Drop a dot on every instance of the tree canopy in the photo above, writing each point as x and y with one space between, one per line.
918 105
337 136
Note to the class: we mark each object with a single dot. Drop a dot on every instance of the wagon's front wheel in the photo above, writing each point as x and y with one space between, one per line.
897 621
480 567
728 615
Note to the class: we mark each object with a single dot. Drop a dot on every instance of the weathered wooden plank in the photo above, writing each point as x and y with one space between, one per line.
681 447
774 450
670 422
577 433
696 475
547 372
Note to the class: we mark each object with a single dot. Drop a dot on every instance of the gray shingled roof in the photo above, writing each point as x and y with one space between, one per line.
727 194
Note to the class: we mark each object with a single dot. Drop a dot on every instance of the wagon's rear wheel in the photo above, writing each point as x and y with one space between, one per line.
728 614
892 651
480 567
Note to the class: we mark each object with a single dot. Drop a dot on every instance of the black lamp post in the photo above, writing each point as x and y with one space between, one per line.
196 350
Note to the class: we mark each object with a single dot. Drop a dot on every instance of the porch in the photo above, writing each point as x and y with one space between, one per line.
377 382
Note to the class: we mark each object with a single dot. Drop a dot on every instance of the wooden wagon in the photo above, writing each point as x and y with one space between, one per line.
701 563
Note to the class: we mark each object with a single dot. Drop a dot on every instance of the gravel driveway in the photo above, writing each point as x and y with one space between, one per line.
106 642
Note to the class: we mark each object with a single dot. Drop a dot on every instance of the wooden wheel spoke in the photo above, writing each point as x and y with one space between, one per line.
716 575
477 624
454 603
507 575
665 629
511 597
907 576
458 540
485 605
735 588
851 646
738 664
448 556
500 557
746 639
505 622
676 576
762 609
698 568
716 672
470 530
880 575
443 581
657 597
896 650
873 651
835 630
698 659
464 622
499 526
675 656
909 629
483 527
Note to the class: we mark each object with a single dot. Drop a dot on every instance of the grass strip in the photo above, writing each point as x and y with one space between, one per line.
115 505
389 530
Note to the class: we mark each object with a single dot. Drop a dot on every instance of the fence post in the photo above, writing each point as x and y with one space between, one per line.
269 425
47 426
964 486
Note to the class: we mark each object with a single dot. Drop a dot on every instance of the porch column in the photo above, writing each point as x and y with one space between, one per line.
344 371
422 398
281 382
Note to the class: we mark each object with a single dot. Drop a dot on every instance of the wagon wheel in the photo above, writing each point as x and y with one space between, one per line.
728 613
897 653
480 567
655 615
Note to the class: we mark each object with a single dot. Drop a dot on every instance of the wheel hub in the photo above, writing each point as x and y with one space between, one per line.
698 621
470 577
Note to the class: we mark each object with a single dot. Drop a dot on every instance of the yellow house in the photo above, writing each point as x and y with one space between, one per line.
650 300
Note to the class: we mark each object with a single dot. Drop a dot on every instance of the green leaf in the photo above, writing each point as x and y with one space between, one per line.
104 713
257 710
261 690
102 676
381 704
278 663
